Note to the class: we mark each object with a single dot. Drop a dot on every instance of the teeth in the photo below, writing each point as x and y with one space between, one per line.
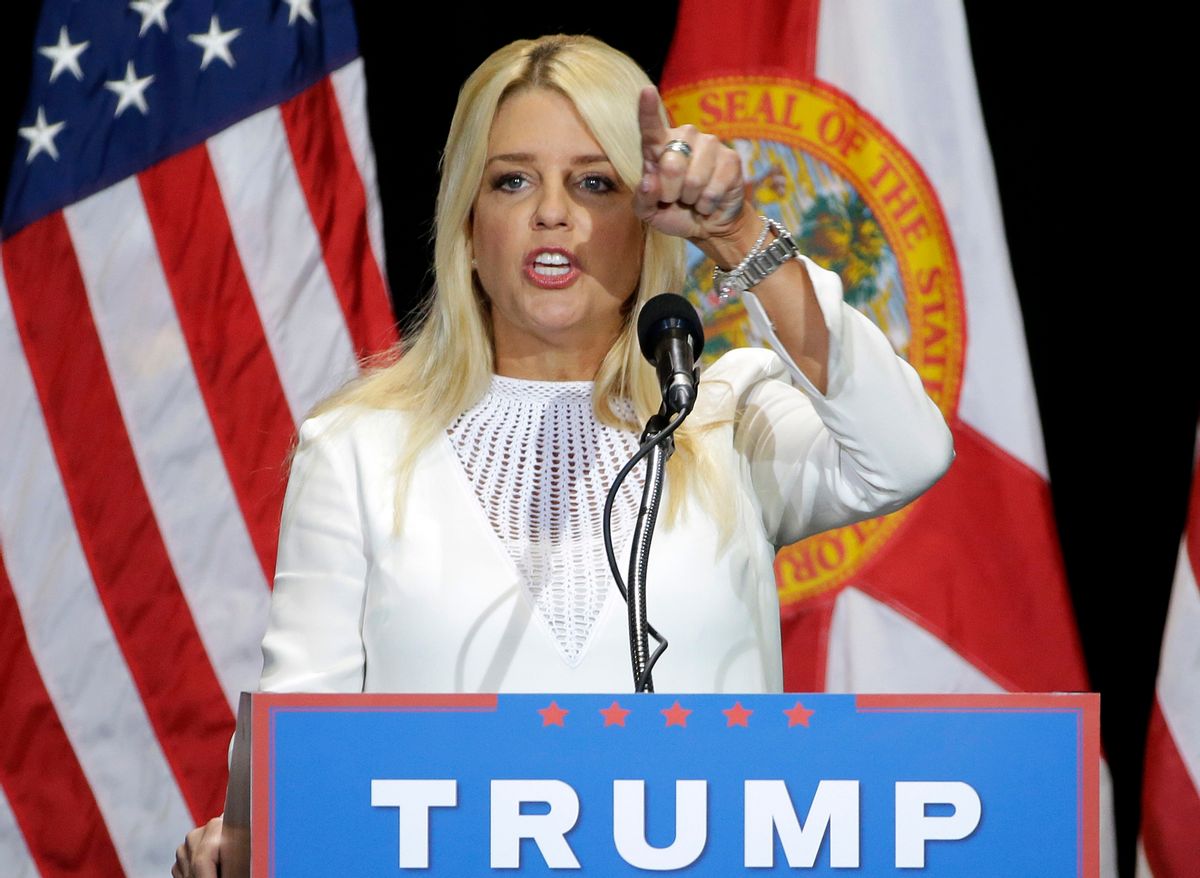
552 259
551 270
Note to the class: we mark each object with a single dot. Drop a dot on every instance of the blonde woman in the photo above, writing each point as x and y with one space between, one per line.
442 531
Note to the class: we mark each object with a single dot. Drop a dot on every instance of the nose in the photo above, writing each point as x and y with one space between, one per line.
552 209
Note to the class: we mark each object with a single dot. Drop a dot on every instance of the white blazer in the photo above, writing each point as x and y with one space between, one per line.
440 606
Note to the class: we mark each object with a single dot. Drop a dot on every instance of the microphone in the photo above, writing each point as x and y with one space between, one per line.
671 337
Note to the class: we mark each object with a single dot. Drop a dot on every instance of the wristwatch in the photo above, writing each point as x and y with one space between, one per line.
759 263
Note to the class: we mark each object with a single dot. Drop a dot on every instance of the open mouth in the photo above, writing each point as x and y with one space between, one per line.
551 265
551 268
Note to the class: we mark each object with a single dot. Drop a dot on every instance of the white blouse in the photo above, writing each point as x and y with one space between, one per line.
540 465
498 582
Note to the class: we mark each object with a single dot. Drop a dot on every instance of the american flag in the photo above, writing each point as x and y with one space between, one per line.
191 250
1169 846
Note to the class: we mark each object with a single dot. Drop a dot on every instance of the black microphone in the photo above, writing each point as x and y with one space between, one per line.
671 337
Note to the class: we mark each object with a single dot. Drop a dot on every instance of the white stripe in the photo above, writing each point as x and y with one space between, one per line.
1179 668
1143 865
908 63
872 648
1108 823
14 853
69 633
350 87
167 421
281 255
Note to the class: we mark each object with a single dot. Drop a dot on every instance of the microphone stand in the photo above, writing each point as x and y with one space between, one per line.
671 337
639 554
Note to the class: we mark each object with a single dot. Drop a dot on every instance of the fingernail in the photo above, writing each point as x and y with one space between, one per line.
645 184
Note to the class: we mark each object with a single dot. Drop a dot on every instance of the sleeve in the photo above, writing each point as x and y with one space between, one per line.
871 444
314 640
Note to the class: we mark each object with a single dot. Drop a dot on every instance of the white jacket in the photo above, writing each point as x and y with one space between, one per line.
440 608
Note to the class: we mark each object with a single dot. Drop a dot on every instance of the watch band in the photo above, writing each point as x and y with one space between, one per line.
759 263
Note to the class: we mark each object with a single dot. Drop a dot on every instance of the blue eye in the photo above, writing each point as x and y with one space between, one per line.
509 182
597 183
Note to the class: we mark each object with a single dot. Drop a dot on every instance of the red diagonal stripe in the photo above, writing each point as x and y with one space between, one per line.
337 202
1170 806
113 515
217 313
46 788
806 644
977 563
717 38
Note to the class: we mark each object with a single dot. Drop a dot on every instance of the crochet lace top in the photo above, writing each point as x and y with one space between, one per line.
541 466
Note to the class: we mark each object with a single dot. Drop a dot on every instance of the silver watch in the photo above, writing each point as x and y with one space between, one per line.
758 265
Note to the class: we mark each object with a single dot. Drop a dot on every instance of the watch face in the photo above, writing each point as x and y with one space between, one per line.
731 283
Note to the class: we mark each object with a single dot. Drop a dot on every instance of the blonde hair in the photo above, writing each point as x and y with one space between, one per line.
444 366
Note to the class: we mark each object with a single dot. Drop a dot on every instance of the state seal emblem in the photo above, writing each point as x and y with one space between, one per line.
857 204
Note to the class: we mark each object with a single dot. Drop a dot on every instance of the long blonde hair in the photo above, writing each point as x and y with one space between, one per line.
444 366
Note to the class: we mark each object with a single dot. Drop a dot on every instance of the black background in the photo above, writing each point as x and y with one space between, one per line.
1111 332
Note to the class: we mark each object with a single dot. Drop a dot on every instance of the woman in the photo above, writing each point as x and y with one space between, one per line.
441 530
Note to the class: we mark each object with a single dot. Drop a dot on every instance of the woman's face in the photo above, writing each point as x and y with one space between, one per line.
557 246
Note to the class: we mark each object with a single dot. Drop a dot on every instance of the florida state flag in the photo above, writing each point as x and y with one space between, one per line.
859 127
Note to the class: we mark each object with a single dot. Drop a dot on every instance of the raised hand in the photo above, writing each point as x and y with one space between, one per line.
697 197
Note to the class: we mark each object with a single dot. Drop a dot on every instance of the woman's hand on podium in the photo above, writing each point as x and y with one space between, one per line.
200 854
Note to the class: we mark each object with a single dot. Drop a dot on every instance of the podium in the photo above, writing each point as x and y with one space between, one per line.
611 785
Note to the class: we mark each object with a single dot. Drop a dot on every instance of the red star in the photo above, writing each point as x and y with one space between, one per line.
553 715
614 715
676 715
798 715
737 715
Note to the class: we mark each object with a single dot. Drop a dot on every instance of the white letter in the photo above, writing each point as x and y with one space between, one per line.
913 828
548 830
414 798
769 809
691 825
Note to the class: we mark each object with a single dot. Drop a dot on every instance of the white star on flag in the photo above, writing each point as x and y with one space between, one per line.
152 12
65 55
41 136
130 90
215 43
300 9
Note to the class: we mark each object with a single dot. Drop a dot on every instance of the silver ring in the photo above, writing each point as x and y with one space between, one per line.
678 146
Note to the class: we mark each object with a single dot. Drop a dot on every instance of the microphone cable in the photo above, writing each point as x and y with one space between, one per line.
648 445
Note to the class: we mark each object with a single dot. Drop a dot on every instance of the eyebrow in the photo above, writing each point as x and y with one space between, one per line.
529 157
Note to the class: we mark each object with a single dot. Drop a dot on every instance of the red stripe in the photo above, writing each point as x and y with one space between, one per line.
1170 806
113 515
262 804
1192 535
1088 704
338 204
806 644
46 788
250 417
977 563
719 38
1089 794
469 702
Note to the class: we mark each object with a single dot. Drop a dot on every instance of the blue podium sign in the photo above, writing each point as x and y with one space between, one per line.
716 785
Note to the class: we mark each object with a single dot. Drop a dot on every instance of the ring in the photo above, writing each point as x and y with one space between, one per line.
678 146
